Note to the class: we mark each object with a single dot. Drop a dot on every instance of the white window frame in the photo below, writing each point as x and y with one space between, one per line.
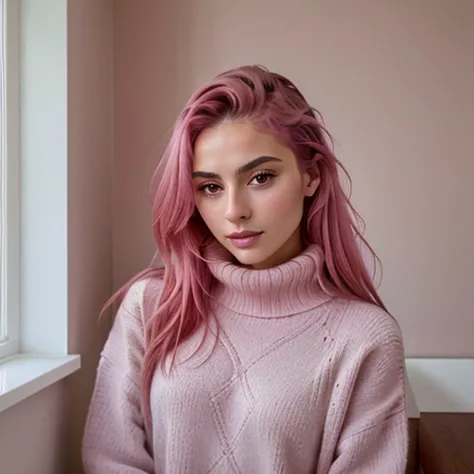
37 284
10 175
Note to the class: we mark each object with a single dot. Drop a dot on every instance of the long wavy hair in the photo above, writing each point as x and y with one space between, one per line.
273 103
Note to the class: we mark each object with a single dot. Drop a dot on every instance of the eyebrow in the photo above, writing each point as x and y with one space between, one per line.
241 170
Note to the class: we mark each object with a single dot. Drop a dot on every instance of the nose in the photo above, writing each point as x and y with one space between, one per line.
237 207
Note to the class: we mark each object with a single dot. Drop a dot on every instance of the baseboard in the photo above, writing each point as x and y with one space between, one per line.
441 385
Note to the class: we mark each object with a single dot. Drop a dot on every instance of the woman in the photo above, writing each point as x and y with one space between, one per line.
261 346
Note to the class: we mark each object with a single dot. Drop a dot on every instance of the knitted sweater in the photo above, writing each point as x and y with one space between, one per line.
297 383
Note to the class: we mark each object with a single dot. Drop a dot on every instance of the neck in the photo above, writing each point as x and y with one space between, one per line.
284 290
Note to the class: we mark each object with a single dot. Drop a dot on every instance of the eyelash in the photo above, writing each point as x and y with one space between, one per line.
271 174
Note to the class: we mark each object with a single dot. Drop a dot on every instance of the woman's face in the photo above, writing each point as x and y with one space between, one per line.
247 180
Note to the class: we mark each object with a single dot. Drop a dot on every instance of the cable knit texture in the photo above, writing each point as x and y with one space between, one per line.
297 382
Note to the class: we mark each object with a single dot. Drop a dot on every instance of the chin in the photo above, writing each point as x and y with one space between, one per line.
246 257
252 257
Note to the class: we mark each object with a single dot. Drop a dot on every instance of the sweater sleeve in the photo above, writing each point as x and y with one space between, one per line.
374 431
114 438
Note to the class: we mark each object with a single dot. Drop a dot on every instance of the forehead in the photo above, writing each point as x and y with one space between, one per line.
231 144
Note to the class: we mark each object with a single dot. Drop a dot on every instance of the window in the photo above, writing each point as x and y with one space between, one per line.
33 144
9 176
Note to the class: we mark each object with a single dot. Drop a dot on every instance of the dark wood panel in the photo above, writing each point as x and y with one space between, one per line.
412 462
446 443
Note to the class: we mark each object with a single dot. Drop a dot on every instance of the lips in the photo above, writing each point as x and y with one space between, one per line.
244 240
242 235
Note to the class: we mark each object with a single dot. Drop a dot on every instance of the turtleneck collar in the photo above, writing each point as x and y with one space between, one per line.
287 289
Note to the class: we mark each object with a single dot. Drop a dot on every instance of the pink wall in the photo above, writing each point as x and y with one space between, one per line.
91 168
394 82
32 434
146 99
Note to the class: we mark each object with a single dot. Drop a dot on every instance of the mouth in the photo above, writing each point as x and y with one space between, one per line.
244 239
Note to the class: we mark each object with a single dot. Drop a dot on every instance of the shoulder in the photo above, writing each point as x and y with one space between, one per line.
142 297
368 346
136 306
365 326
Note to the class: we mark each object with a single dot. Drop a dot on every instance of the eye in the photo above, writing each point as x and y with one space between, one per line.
209 188
263 177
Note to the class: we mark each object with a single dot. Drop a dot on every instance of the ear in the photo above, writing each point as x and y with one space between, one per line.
311 184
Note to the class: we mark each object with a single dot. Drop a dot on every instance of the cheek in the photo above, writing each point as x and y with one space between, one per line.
285 200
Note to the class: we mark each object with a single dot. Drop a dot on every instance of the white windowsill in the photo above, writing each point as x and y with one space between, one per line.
24 375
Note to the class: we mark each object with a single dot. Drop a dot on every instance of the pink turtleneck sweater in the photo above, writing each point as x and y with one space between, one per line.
298 383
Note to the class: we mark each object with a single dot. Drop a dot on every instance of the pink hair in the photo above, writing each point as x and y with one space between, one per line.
270 101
